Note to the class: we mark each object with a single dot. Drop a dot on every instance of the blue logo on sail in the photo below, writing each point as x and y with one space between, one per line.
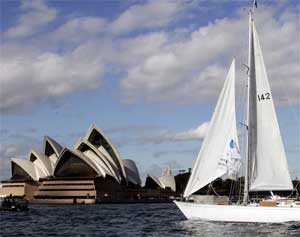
232 144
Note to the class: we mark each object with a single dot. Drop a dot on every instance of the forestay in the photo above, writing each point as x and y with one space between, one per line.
219 155
269 169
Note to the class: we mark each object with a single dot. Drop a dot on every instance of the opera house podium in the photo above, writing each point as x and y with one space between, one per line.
91 172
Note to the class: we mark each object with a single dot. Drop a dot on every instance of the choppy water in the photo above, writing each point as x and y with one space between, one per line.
126 220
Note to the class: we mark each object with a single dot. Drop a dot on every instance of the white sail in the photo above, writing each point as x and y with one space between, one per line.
218 153
268 166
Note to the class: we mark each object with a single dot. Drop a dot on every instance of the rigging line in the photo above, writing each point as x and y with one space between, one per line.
211 186
232 186
241 96
230 190
295 189
244 146
243 127
242 99
240 189
247 67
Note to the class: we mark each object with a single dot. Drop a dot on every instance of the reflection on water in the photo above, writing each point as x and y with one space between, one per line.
126 220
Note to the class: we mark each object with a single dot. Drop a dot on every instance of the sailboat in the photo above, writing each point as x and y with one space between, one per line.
266 167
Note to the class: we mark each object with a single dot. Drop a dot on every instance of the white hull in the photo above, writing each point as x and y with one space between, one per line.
232 213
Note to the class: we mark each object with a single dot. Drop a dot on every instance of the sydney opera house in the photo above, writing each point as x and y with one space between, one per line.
90 172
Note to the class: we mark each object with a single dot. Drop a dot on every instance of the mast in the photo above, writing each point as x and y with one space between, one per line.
247 151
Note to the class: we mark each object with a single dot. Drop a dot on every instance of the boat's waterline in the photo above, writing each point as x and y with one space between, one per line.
235 213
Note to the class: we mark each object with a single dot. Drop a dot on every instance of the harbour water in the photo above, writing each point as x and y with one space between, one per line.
126 220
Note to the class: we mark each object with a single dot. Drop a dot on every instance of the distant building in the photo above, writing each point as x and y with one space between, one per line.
91 171
166 181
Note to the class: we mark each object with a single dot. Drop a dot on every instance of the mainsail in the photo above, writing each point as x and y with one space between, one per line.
219 154
267 161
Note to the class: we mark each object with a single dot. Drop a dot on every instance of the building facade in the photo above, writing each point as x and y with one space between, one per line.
92 170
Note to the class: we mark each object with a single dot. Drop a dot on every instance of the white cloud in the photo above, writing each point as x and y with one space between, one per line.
178 69
191 134
157 169
157 73
153 169
80 28
31 75
193 69
35 15
9 150
28 79
152 14
158 66
132 51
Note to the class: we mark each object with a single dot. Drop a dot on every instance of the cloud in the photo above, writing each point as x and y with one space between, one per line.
183 69
28 79
153 169
131 51
159 154
173 165
10 150
31 76
136 17
157 169
155 66
151 14
35 15
80 28
133 129
191 134
193 69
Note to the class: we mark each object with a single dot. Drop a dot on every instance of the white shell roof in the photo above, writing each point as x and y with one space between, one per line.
132 171
91 162
93 158
168 181
100 154
42 162
27 166
103 153
164 182
115 157
55 146
110 168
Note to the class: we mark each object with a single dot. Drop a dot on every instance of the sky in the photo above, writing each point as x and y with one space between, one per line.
148 73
